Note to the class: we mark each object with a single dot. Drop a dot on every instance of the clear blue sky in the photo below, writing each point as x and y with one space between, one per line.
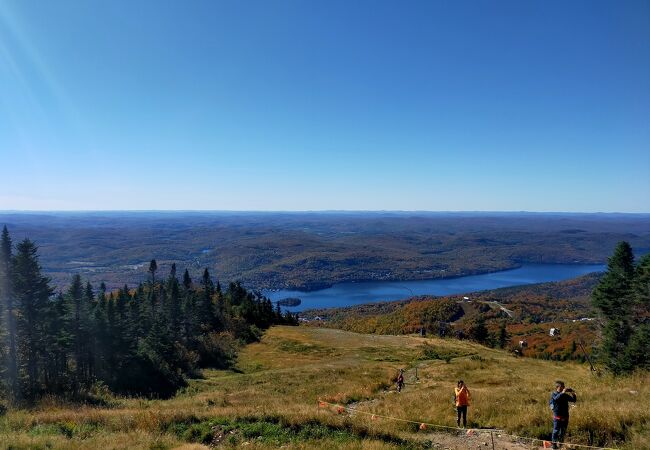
309 105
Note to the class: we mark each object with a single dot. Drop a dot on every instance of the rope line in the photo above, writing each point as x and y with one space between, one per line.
340 408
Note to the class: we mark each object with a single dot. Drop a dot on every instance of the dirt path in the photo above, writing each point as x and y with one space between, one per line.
459 439
480 440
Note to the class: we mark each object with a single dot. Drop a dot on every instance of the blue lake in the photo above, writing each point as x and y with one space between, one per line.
349 294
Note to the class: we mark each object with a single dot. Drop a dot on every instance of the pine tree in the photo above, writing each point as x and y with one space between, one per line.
101 338
623 299
278 312
79 300
75 297
187 281
173 310
9 315
153 266
637 355
642 287
157 363
32 292
112 344
91 336
205 307
153 298
123 339
503 335
60 344
4 280
613 294
613 297
479 332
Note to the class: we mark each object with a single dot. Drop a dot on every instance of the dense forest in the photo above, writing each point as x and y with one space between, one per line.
146 340
308 251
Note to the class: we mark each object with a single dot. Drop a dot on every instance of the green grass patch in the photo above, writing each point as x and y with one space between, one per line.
432 352
275 431
68 429
291 346
268 431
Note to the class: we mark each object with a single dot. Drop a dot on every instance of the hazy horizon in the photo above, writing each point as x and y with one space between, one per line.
313 211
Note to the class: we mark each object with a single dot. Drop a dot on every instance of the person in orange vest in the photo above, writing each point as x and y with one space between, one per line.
462 396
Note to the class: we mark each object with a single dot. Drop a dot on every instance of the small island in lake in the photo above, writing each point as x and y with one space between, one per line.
289 301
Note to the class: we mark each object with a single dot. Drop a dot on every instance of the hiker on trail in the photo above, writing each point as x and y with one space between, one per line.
560 405
461 396
400 380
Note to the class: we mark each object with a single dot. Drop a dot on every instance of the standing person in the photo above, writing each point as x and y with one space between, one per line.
560 405
400 380
461 393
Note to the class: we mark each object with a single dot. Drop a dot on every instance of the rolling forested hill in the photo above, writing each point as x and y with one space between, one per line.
312 250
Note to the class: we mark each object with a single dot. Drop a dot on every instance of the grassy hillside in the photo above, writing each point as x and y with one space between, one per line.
271 400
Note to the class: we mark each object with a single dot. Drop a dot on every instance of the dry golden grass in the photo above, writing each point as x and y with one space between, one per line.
282 377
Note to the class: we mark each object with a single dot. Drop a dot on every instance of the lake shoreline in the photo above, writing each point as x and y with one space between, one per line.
319 286
352 293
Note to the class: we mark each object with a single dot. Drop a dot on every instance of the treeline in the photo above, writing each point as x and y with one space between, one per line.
143 341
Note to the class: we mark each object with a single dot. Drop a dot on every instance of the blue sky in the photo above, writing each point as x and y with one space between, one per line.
310 105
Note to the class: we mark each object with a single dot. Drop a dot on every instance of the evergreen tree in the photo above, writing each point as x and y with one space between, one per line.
187 281
58 376
124 336
4 281
503 335
173 309
613 295
621 297
101 337
75 299
112 343
79 304
205 307
153 267
642 287
153 297
637 355
8 316
157 363
190 323
89 305
479 331
32 292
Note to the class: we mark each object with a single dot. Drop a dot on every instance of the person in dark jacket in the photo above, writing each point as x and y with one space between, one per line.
560 405
400 380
